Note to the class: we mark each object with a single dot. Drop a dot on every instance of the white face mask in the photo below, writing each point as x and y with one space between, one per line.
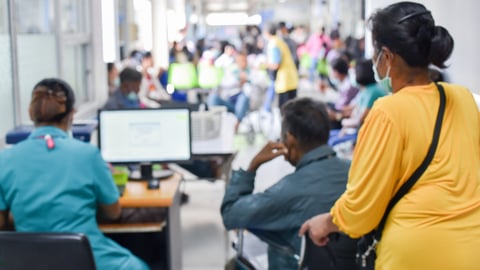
386 82
132 96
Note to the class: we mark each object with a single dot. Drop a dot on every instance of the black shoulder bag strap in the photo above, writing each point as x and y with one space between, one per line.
421 169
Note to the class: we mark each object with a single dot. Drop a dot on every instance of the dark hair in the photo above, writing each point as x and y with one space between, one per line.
146 55
340 65
130 75
52 100
364 72
408 29
272 29
282 24
110 66
307 120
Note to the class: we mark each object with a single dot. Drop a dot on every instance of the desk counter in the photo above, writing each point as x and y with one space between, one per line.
137 195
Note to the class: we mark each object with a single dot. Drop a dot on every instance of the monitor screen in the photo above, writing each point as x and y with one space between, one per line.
144 135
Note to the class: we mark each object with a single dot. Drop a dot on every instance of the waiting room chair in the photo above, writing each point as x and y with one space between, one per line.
45 251
338 254
209 76
183 76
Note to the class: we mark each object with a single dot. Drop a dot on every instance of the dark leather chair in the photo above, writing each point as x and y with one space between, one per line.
45 251
338 254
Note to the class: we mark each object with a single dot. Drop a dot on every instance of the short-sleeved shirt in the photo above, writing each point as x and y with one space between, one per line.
59 189
119 100
368 96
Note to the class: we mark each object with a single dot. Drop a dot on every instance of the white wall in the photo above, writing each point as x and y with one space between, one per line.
6 100
460 18
37 59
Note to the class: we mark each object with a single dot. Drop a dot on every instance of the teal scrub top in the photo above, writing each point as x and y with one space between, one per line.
369 95
58 189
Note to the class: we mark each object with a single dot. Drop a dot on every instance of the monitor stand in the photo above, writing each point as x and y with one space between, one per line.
152 177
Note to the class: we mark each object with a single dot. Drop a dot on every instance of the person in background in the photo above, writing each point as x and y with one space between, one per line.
370 91
179 53
227 58
436 224
151 93
112 77
282 70
281 209
347 92
133 60
234 90
317 46
126 95
284 33
53 183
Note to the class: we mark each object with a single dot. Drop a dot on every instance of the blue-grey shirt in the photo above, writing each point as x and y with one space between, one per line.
118 100
318 181
59 189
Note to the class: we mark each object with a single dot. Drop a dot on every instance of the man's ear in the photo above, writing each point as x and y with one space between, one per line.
290 139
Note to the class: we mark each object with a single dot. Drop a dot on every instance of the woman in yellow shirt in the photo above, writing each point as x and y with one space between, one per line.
436 225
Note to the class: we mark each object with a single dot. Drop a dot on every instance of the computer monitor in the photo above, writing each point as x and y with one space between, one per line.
145 136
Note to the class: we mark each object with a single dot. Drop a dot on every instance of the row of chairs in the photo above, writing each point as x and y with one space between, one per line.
185 76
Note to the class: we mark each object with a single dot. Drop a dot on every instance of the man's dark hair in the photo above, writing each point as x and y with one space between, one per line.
130 75
364 72
307 120
340 65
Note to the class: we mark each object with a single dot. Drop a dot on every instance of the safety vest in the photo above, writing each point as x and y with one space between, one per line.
287 75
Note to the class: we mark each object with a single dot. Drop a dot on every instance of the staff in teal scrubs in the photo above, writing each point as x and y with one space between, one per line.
54 183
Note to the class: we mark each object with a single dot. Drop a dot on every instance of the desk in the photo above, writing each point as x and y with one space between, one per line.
221 148
137 195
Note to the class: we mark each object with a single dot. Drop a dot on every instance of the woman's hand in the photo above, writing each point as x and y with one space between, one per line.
268 152
318 228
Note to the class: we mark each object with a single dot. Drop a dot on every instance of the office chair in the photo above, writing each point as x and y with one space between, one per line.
45 251
338 254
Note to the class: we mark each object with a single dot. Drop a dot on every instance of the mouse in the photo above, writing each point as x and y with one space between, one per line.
153 184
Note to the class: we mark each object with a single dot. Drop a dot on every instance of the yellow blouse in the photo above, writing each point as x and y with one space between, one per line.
440 215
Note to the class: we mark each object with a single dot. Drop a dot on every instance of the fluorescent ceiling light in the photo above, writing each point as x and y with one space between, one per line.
215 6
232 18
238 6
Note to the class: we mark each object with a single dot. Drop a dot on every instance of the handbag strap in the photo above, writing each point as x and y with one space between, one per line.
421 169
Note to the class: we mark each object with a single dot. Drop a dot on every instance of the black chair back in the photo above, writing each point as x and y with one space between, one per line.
45 251
338 254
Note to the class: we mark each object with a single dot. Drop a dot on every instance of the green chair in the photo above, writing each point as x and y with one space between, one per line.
183 76
305 61
209 76
322 67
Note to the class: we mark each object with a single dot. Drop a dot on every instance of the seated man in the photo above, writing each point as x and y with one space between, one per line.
319 179
126 95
